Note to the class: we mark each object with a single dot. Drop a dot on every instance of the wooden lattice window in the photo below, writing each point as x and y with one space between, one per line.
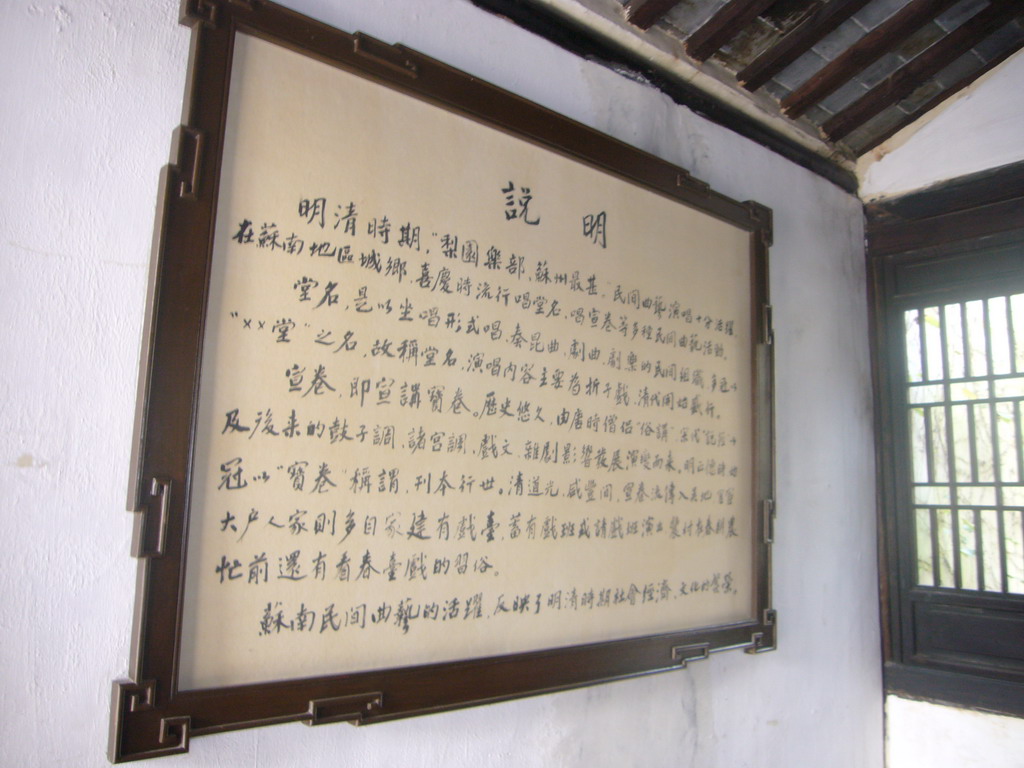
965 406
948 302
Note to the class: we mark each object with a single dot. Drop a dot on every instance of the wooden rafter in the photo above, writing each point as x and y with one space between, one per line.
822 20
884 38
959 85
905 80
730 19
797 26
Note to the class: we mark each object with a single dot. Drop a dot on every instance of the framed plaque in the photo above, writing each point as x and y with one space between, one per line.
445 399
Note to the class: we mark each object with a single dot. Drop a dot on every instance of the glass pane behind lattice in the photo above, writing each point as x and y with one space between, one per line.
965 411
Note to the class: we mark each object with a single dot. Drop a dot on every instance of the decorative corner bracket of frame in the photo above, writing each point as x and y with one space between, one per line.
207 12
151 529
684 654
686 180
393 57
761 217
763 641
353 709
187 151
136 701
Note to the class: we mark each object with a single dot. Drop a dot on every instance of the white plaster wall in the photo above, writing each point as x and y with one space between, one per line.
921 733
90 91
980 128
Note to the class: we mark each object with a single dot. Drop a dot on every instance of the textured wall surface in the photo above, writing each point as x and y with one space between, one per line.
91 91
921 733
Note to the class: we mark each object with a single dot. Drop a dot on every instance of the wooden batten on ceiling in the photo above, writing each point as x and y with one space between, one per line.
944 94
905 80
823 18
821 82
854 71
724 26
863 53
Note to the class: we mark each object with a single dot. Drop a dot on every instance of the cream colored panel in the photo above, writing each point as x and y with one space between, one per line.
461 396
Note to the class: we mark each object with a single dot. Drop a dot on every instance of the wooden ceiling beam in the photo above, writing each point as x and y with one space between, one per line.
884 38
646 13
959 85
909 77
730 19
822 20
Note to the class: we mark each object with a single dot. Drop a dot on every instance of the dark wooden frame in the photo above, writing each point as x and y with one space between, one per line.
937 233
150 716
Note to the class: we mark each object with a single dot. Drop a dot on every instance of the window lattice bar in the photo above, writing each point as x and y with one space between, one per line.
965 410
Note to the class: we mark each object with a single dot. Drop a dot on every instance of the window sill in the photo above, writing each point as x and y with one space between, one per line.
954 689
